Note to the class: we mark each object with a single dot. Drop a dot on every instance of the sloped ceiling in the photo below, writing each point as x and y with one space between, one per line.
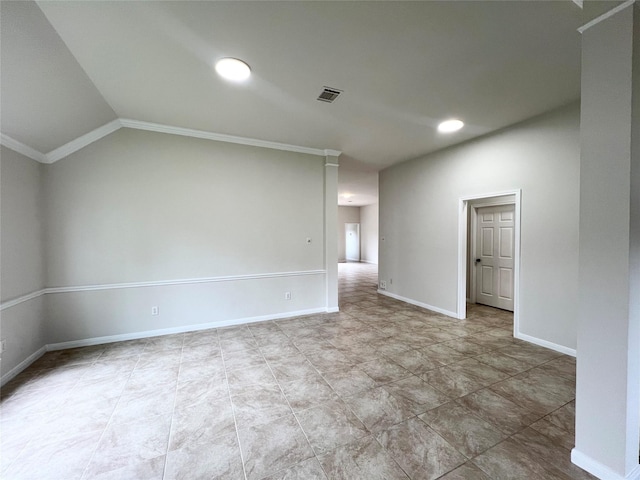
69 67
47 98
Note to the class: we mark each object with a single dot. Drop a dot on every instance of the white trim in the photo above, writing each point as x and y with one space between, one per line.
463 205
152 333
181 329
369 262
418 304
114 125
331 164
606 15
332 153
332 309
219 137
22 299
578 3
475 205
82 141
596 468
23 149
545 343
159 283
22 365
187 281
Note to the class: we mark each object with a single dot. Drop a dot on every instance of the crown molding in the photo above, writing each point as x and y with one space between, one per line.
81 142
219 137
606 15
23 149
332 153
114 125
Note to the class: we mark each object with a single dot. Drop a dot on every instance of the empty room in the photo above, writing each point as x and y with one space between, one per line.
320 240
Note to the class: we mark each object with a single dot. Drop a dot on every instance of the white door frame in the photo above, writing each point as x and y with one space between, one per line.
473 202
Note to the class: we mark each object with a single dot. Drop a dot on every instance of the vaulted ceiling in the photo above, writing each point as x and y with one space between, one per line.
70 67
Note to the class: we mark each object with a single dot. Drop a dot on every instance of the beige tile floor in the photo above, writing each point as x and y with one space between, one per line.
381 390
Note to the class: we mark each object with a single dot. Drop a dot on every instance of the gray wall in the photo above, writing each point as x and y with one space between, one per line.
346 215
149 207
21 254
369 233
419 219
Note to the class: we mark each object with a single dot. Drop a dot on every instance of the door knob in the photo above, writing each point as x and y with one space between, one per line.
478 260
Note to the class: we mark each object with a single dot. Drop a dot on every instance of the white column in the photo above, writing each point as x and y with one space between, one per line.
330 228
608 344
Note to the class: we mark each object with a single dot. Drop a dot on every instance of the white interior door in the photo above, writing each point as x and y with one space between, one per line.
494 258
352 247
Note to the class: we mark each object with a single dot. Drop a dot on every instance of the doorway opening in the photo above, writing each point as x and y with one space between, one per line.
352 242
489 252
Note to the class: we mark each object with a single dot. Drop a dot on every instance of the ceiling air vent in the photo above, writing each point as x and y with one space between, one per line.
329 94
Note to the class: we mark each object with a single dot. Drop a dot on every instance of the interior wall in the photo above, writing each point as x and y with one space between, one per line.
540 157
369 233
346 215
207 231
22 257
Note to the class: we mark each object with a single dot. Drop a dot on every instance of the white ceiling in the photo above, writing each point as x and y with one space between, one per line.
70 67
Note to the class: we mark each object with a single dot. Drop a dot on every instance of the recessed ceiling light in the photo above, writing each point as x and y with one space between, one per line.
449 126
347 195
233 69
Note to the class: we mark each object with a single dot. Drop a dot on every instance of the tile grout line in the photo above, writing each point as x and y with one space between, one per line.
173 411
110 416
233 410
289 404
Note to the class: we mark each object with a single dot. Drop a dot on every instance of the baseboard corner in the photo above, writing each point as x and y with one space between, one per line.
15 371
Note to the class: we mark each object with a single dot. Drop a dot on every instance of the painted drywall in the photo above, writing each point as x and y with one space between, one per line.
22 256
149 207
419 219
346 215
369 233
608 360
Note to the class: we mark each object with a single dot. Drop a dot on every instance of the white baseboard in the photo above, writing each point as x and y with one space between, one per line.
371 262
22 365
151 333
546 344
419 304
181 329
599 470
333 310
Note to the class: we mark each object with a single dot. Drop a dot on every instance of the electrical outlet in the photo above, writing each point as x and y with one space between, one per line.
3 346
391 281
383 285
155 311
287 295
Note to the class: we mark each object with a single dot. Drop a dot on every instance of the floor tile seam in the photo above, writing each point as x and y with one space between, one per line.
490 423
528 412
108 424
233 412
306 437
439 435
543 465
514 401
19 454
173 413
376 435
568 377
510 375
393 459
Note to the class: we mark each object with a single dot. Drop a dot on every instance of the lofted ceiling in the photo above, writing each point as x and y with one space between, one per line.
70 67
